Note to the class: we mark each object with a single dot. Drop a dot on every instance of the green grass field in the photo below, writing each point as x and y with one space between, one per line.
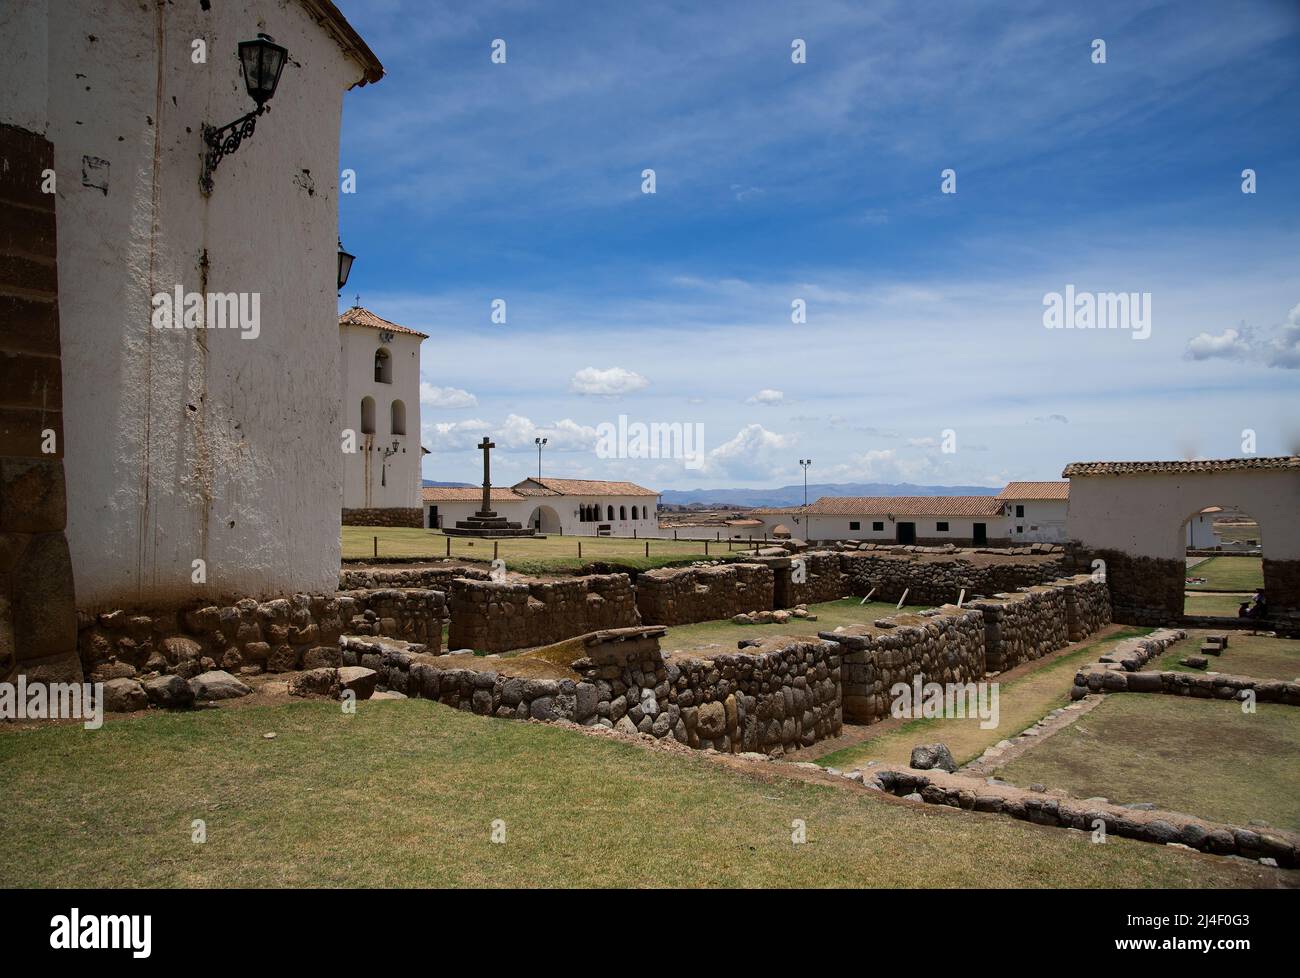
1258 656
531 555
405 793
1202 757
1021 702
1228 574
1209 603
830 614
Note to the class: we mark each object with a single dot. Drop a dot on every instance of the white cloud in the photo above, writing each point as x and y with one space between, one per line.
749 455
768 397
515 433
1231 344
446 397
607 383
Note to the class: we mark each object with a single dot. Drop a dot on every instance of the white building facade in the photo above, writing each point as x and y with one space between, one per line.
568 507
380 366
1035 511
201 462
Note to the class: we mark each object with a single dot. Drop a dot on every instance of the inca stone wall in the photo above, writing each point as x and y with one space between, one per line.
1143 590
299 632
438 578
822 579
38 620
389 516
496 617
945 645
682 595
939 579
1023 626
1087 605
774 699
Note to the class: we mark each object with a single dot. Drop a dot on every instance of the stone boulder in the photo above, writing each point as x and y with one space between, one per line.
124 695
172 692
217 684
926 757
360 680
316 682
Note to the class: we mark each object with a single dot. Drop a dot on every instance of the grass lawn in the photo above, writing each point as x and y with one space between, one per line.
1202 757
1258 656
404 793
529 555
1228 574
1021 702
830 614
1208 603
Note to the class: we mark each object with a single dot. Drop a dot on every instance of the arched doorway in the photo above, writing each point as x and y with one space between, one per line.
1224 561
544 519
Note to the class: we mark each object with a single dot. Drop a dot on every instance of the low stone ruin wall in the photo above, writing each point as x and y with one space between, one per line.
938 579
437 578
977 794
496 617
682 595
772 699
806 578
1219 686
249 636
390 516
945 645
1022 626
1087 606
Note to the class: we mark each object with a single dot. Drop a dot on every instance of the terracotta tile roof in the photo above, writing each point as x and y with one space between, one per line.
332 19
580 487
356 316
467 494
1202 465
906 506
1035 490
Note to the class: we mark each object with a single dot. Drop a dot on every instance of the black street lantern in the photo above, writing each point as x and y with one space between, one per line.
345 266
263 61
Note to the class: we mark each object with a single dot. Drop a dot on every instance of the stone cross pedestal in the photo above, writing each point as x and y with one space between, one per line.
486 523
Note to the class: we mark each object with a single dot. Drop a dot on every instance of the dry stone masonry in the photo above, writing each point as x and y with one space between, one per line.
251 637
488 616
939 579
682 595
945 645
1023 626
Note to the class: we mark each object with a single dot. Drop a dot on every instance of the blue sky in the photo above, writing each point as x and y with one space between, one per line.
820 181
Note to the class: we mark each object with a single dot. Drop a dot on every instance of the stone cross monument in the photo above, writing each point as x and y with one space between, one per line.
486 508
486 523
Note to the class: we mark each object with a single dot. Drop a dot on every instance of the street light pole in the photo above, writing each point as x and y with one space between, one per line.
539 442
804 463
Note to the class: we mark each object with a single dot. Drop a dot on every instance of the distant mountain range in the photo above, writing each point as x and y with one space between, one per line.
793 495
788 495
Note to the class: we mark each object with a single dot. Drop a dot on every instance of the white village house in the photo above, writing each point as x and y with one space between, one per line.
1023 512
380 365
572 507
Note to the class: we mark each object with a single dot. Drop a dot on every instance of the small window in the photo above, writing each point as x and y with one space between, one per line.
854 525
622 512
397 420
383 367
941 527
878 526
367 415
609 511
1020 529
1020 511
634 516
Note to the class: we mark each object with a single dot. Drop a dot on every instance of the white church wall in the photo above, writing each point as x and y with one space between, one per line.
198 444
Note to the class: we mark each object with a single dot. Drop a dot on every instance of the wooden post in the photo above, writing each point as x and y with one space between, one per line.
376 539
706 546
494 549
449 546
579 549
634 533
674 534
647 548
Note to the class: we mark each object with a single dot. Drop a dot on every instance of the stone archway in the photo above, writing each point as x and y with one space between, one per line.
1131 516
545 520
